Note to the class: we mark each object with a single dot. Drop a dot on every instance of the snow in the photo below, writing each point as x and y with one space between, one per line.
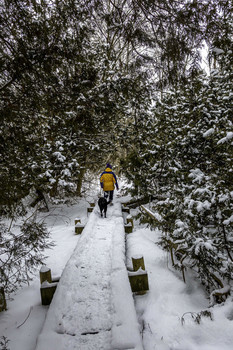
217 50
228 221
197 175
46 284
223 198
156 215
228 137
79 225
201 243
203 205
59 156
169 298
93 305
180 223
209 132
94 294
44 269
66 172
140 271
224 290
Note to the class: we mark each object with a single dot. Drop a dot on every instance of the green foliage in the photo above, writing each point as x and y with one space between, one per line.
82 82
21 252
63 88
4 343
198 209
185 162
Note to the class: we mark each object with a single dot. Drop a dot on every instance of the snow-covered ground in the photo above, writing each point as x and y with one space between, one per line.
168 311
160 312
27 302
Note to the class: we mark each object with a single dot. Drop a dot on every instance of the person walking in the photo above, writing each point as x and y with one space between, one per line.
108 181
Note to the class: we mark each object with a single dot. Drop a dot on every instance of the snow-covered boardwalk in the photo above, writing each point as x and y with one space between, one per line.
93 306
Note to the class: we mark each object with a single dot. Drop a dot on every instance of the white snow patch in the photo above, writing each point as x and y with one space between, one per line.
208 132
227 138
228 221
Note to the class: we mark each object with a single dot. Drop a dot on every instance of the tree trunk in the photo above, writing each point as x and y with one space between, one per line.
80 181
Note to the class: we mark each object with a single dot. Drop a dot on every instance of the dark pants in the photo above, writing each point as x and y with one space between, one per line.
108 194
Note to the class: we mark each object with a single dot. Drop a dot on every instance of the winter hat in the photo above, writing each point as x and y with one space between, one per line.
109 165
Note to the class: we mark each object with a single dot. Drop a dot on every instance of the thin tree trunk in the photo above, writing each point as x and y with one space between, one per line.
80 181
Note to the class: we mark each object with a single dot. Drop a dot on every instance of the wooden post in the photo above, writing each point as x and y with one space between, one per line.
138 278
138 262
92 204
129 219
128 228
89 210
48 285
47 291
45 274
125 210
139 281
79 229
2 300
77 220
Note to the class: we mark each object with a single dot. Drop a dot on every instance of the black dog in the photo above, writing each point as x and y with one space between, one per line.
102 202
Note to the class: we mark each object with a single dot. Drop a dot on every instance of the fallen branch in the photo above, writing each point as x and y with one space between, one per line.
220 283
196 316
154 216
136 202
26 317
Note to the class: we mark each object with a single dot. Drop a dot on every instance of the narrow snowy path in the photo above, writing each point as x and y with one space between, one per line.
93 306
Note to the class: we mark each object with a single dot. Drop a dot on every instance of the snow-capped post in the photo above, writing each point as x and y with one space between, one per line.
138 281
138 262
129 228
77 220
129 219
79 228
48 285
47 291
45 274
89 209
2 300
138 278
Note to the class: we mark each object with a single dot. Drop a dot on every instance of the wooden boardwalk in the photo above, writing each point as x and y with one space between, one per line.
93 306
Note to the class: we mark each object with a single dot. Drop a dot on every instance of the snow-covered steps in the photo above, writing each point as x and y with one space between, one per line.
93 306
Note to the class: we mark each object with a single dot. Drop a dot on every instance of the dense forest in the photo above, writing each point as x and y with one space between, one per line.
83 82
